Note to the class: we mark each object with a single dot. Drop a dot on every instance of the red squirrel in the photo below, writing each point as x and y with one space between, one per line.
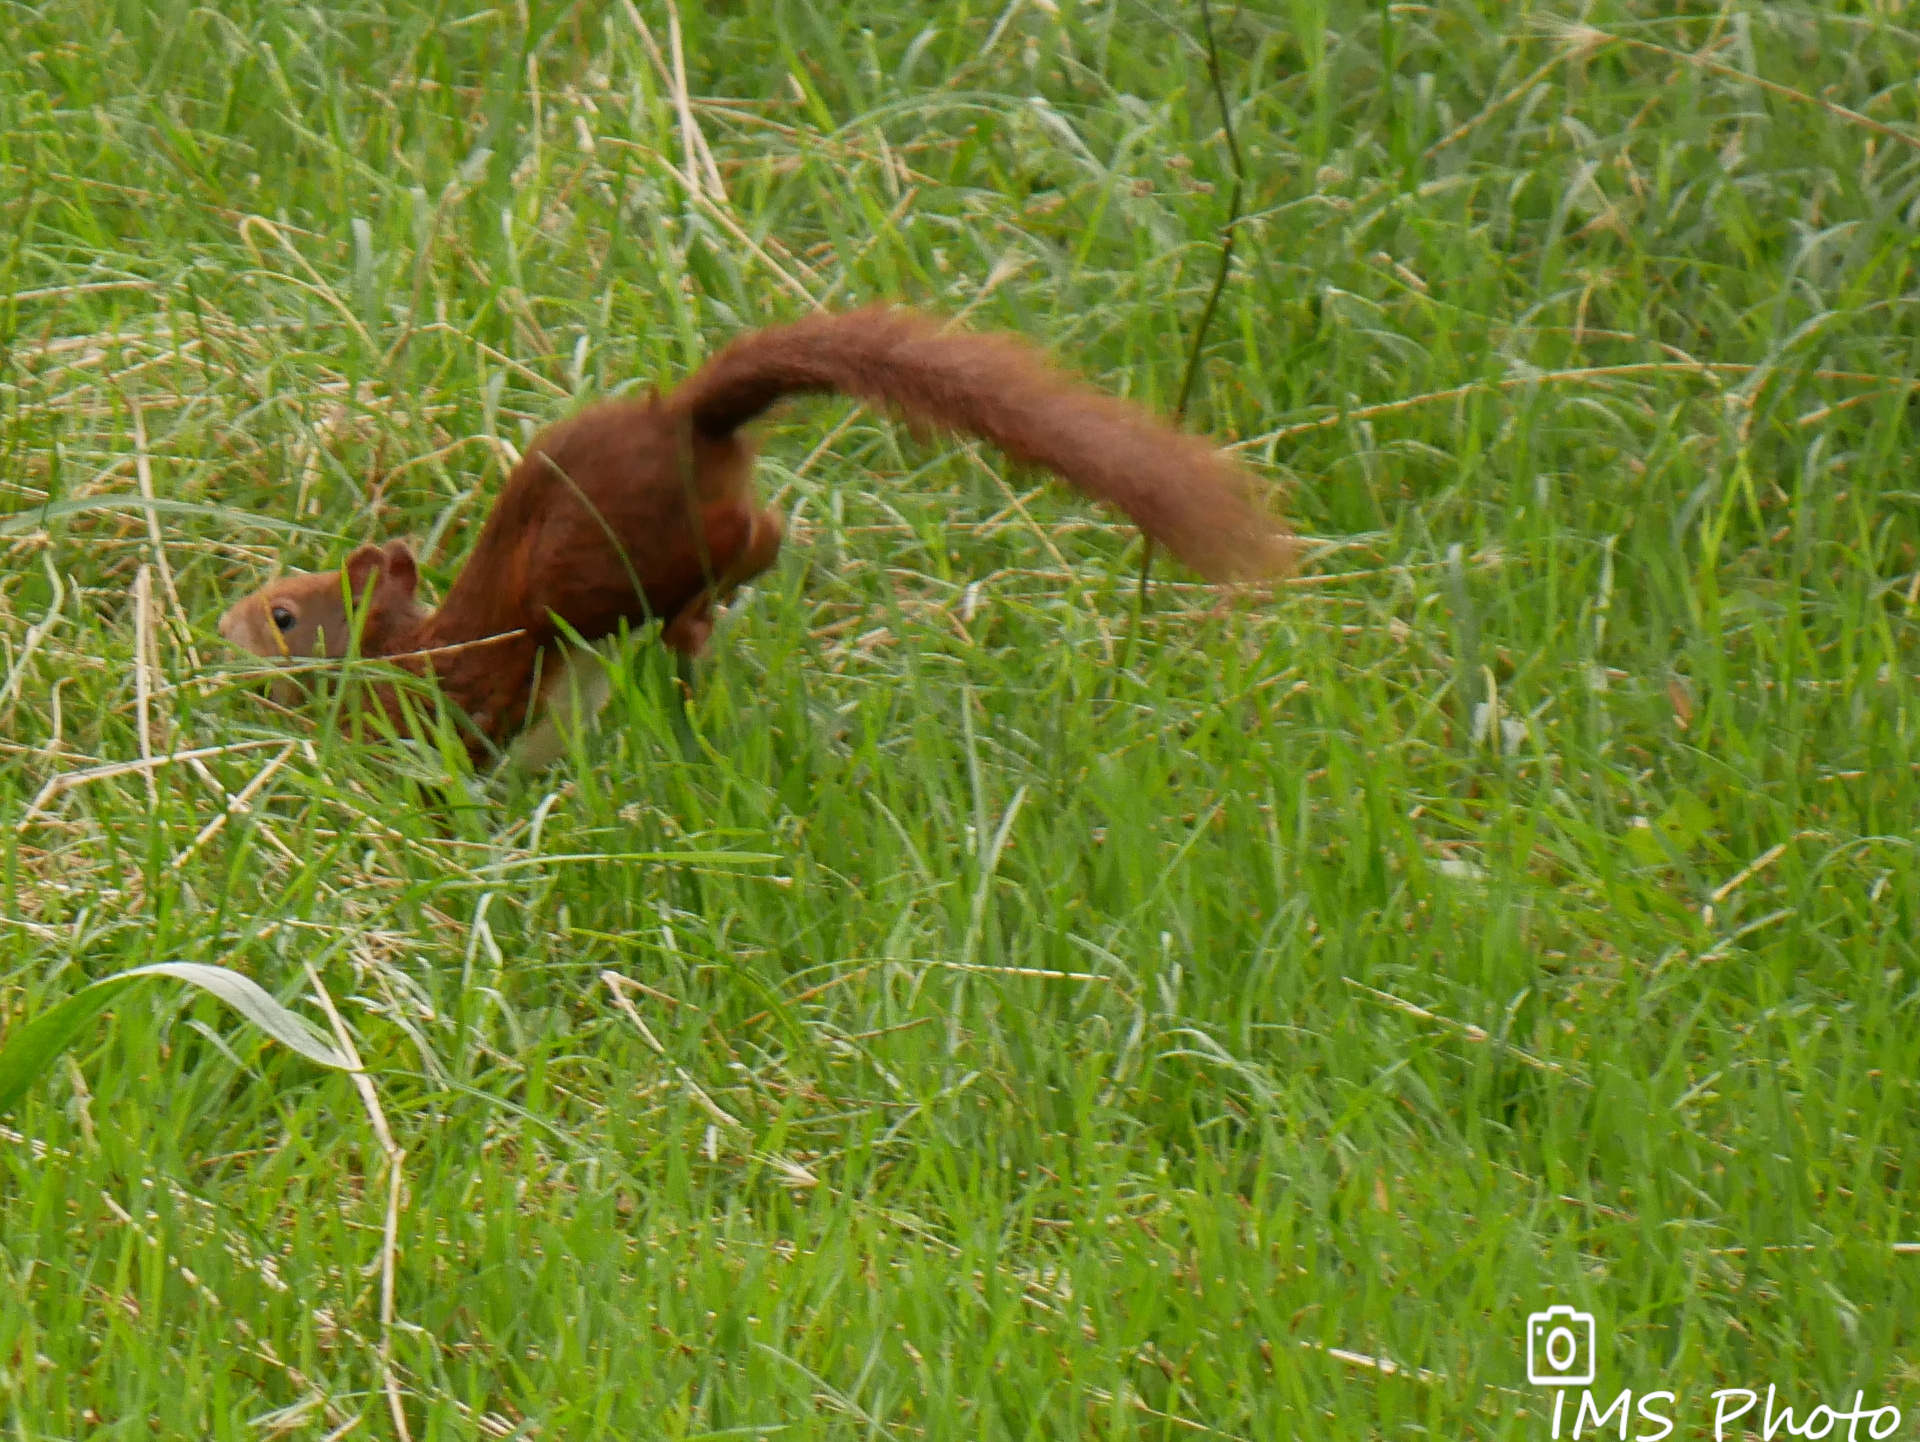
642 509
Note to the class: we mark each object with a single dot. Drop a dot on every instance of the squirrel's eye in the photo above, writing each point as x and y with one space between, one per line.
283 618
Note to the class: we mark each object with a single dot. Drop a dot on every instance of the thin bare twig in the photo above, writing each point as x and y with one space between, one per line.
1228 234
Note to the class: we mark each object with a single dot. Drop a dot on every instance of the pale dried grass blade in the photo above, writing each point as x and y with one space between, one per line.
692 142
235 805
36 633
143 475
1494 107
1594 38
795 1174
390 1230
1465 1029
143 674
68 780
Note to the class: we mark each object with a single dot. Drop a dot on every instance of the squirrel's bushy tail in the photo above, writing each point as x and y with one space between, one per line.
1174 486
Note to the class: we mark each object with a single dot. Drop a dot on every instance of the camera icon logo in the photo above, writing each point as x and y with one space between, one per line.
1560 1348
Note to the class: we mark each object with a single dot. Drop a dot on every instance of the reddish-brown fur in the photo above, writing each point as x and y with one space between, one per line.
657 492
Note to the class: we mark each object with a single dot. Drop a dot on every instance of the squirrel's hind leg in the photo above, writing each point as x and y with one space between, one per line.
689 631
686 634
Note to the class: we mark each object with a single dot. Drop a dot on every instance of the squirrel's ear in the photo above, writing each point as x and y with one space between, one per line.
401 568
364 564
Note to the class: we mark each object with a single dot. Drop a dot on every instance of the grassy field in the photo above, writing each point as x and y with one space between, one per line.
1029 1013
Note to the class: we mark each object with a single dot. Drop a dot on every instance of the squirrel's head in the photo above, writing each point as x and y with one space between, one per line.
307 615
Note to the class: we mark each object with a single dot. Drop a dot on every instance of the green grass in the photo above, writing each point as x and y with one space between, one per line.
1054 1021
